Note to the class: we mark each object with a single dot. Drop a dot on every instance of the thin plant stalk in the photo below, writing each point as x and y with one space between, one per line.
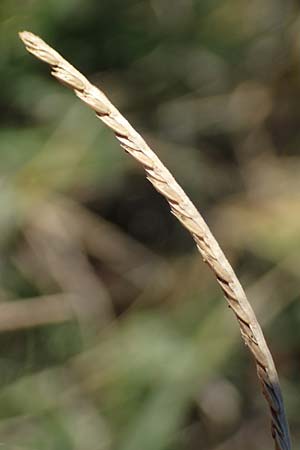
190 218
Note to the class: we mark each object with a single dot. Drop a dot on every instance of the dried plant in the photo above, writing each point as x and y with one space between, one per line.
190 218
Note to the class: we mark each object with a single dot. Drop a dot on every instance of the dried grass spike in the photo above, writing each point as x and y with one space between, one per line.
191 219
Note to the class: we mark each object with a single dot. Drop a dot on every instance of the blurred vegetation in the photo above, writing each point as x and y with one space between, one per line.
114 335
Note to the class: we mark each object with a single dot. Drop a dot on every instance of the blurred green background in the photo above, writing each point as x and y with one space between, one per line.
113 333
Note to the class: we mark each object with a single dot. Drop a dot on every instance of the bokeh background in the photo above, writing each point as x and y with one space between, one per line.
113 333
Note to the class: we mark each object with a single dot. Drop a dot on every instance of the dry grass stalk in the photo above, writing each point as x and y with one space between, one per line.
190 218
34 312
